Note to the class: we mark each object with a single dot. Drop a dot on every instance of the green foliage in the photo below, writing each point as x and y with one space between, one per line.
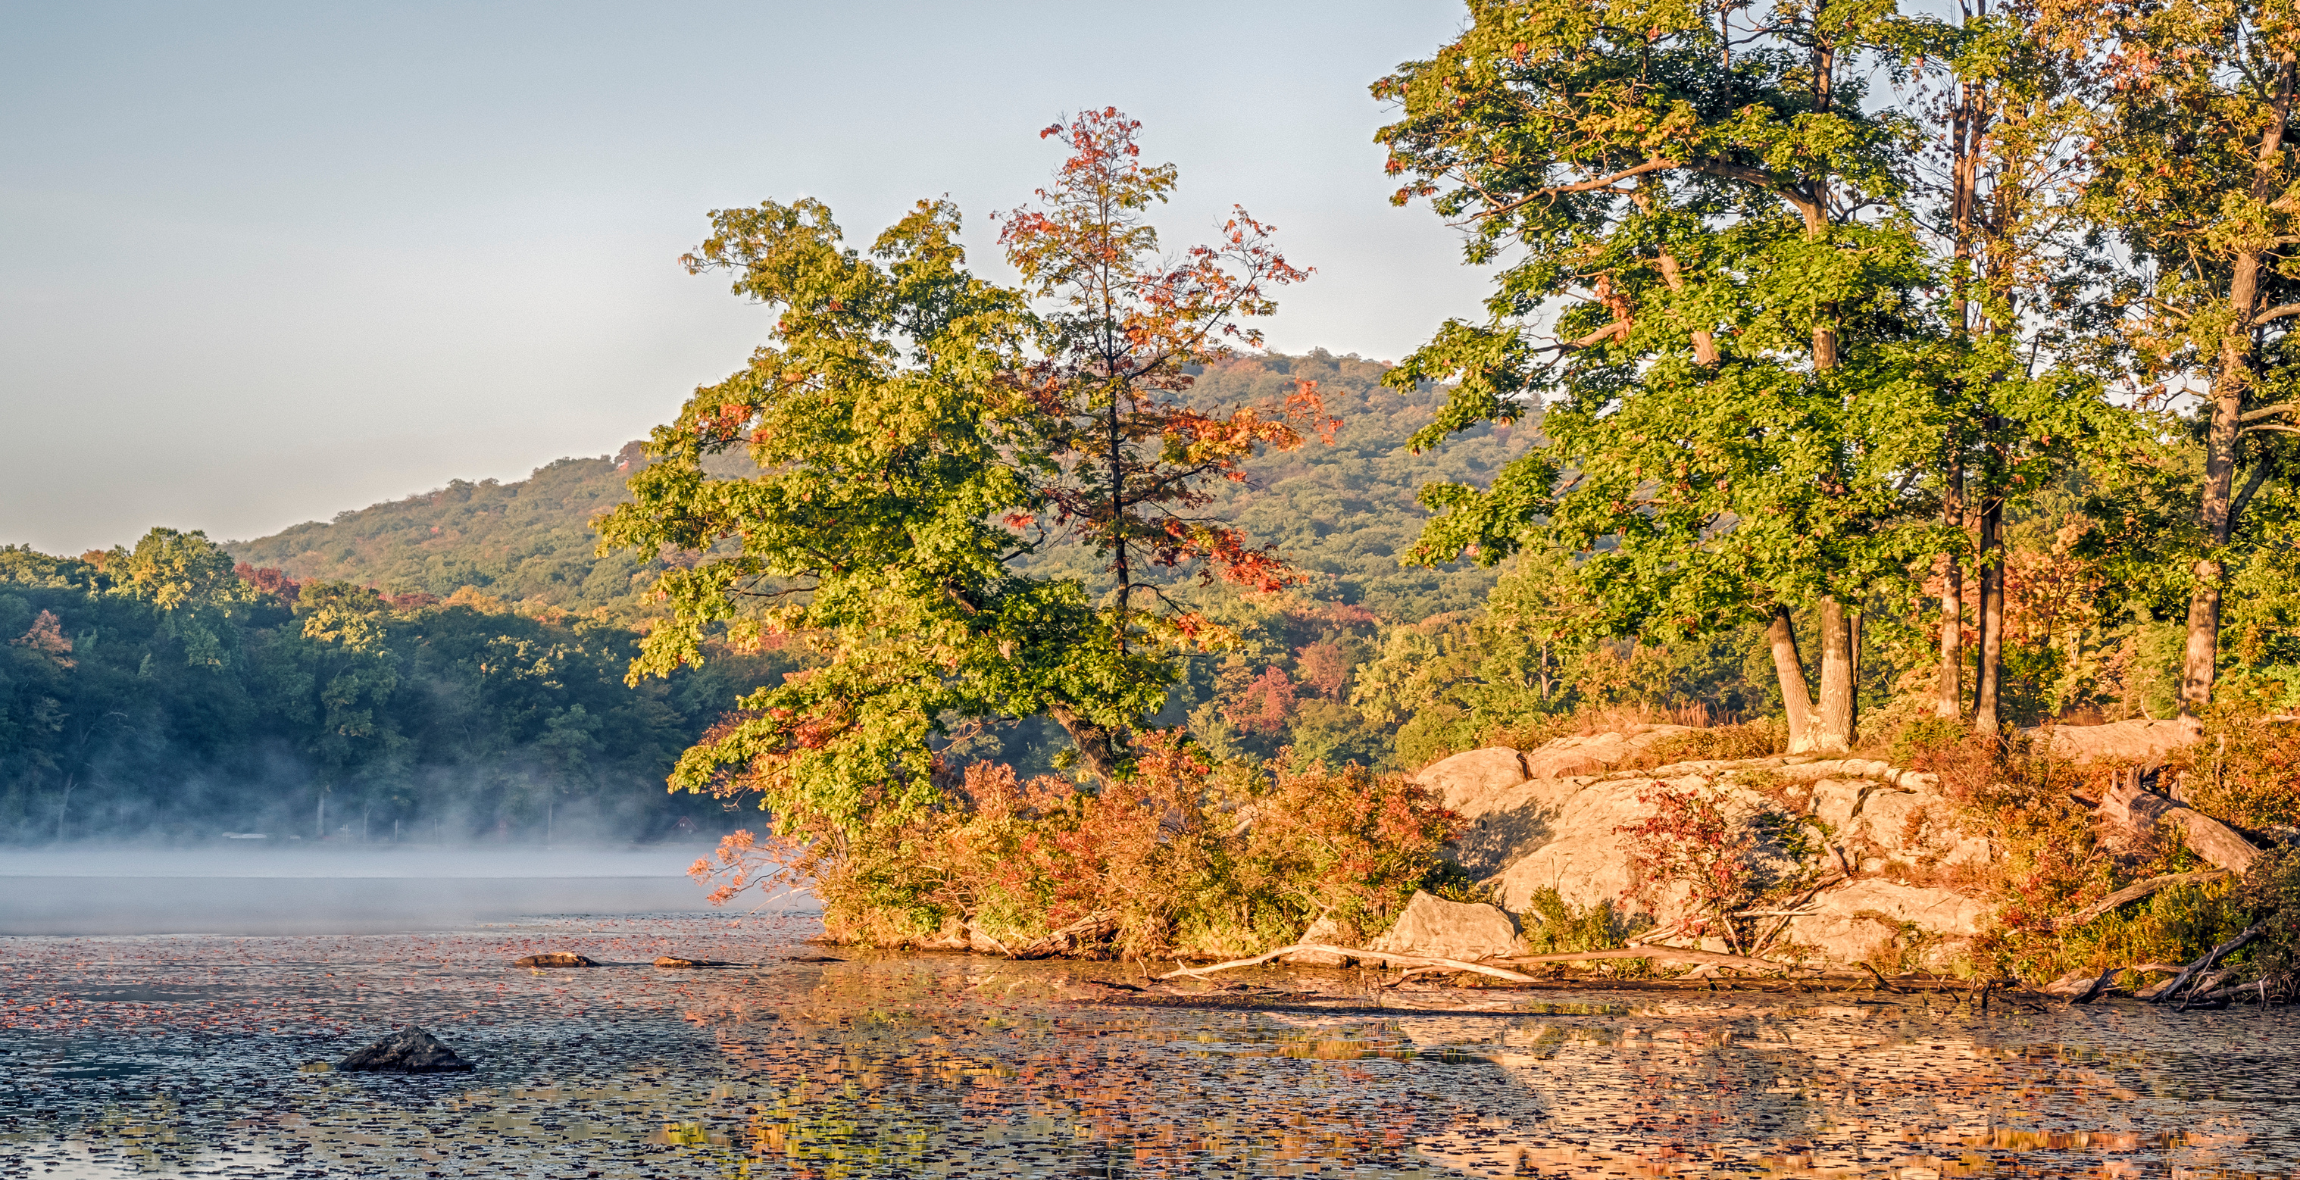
1554 927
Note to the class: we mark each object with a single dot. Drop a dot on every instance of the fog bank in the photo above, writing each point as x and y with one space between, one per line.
354 889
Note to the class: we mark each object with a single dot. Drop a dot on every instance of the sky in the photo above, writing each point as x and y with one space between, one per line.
263 263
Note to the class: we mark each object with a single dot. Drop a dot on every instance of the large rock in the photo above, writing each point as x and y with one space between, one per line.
1597 752
1468 778
1502 823
1551 819
2124 741
1861 917
1327 932
1912 828
555 959
410 1050
1444 929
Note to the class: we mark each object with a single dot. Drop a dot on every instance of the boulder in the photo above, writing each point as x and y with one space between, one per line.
1857 917
1444 929
1327 931
1597 752
1467 779
555 959
1501 824
2126 741
410 1050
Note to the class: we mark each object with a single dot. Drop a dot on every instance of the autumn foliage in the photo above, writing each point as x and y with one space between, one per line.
1181 858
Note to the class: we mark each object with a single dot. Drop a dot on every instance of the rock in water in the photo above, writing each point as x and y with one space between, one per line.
410 1050
555 959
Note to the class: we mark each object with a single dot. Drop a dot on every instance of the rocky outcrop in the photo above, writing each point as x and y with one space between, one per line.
1871 919
1436 928
1552 819
1326 932
410 1050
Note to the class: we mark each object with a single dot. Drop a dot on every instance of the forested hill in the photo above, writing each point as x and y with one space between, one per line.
1345 511
527 541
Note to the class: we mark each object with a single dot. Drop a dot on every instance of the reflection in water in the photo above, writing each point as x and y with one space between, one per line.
181 1056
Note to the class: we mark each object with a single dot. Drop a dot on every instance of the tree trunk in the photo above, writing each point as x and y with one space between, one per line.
1986 678
1097 747
1789 667
2199 662
1832 728
1950 701
2198 665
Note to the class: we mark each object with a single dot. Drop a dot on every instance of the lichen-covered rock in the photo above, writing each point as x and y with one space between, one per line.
410 1050
1444 929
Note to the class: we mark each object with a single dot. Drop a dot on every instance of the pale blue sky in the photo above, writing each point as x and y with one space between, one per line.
260 263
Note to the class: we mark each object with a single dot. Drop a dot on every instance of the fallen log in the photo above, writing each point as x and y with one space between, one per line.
2137 809
1389 956
2134 892
1664 954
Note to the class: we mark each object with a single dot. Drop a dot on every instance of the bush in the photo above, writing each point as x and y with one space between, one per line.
2244 771
1554 927
1725 743
1179 859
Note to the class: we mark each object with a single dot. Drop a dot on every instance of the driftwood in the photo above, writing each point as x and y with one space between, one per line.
2211 957
2137 809
1664 954
2092 990
1407 960
2134 892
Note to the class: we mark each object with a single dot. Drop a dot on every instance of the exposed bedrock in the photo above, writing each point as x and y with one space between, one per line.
1886 875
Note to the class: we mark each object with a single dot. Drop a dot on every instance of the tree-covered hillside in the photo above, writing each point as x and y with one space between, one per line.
1345 511
161 692
528 541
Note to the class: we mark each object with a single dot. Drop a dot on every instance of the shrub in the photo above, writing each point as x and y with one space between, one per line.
2245 771
1554 927
1179 858
1754 739
1721 857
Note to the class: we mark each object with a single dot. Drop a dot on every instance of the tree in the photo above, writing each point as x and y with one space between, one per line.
918 433
2196 173
1717 224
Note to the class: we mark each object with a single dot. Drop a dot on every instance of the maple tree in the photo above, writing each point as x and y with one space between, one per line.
918 432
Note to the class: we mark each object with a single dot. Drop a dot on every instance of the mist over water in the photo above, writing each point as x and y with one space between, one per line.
261 888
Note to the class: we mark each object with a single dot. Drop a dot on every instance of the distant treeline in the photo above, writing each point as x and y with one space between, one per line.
168 691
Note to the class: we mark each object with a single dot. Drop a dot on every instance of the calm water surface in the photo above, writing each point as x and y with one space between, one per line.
180 1055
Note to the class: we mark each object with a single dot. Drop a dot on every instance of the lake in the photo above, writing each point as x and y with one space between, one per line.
155 1054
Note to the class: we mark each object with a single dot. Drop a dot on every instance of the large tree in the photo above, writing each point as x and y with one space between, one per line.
2196 172
1712 218
917 434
